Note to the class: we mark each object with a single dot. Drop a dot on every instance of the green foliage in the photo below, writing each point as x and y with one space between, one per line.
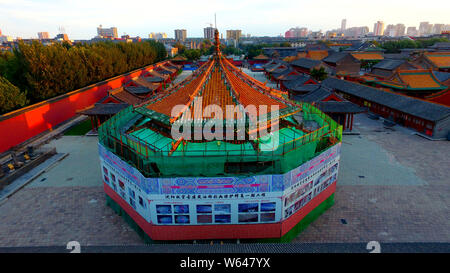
319 74
43 72
192 54
181 48
396 46
368 64
231 50
206 48
10 96
252 51
80 129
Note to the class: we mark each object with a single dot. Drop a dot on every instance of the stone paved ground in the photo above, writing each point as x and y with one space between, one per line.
389 211
403 196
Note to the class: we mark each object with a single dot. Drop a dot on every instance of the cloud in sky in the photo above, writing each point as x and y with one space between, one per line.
24 18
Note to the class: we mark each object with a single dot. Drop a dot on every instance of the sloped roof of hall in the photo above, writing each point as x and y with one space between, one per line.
305 63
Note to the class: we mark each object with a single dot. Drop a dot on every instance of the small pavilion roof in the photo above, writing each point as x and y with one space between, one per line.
413 80
261 57
367 56
339 107
416 107
306 63
439 59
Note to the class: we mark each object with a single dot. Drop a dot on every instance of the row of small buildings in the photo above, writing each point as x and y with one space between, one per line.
413 92
134 92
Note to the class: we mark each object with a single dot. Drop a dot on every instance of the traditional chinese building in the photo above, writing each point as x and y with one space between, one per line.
415 83
434 60
134 92
339 109
428 118
265 177
367 58
305 65
388 67
343 63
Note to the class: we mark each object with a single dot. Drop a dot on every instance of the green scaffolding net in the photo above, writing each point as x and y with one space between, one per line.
156 155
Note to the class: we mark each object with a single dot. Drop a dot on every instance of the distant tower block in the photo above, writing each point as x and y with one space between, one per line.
343 24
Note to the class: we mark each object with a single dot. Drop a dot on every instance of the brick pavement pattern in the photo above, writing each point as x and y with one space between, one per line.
55 213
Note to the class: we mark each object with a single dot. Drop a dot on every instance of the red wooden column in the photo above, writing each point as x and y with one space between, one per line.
351 123
348 120
345 121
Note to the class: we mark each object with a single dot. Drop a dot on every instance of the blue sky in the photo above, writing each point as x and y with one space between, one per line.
24 18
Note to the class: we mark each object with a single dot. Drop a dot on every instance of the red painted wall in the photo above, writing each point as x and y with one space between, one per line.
442 98
23 124
290 222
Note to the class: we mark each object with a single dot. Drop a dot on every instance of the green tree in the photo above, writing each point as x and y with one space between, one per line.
192 54
319 74
43 72
10 96
231 50
396 46
181 48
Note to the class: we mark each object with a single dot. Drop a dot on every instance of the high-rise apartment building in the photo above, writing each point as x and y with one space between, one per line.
343 24
107 32
425 28
389 31
400 30
296 32
157 36
180 34
208 33
438 28
43 35
395 30
412 31
234 34
378 28
62 36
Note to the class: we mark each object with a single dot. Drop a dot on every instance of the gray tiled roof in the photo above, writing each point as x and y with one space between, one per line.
364 46
297 82
105 109
419 108
154 79
389 64
339 107
137 89
441 45
316 95
305 63
442 76
292 77
282 72
306 87
274 66
335 57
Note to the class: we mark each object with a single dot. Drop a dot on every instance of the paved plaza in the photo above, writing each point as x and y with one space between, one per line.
393 186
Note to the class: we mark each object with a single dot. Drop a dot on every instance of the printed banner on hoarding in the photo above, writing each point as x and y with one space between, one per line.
217 185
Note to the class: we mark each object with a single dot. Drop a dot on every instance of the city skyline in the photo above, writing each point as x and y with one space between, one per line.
267 18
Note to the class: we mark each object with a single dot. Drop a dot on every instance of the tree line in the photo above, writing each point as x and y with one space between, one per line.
35 72
396 46
252 50
206 48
